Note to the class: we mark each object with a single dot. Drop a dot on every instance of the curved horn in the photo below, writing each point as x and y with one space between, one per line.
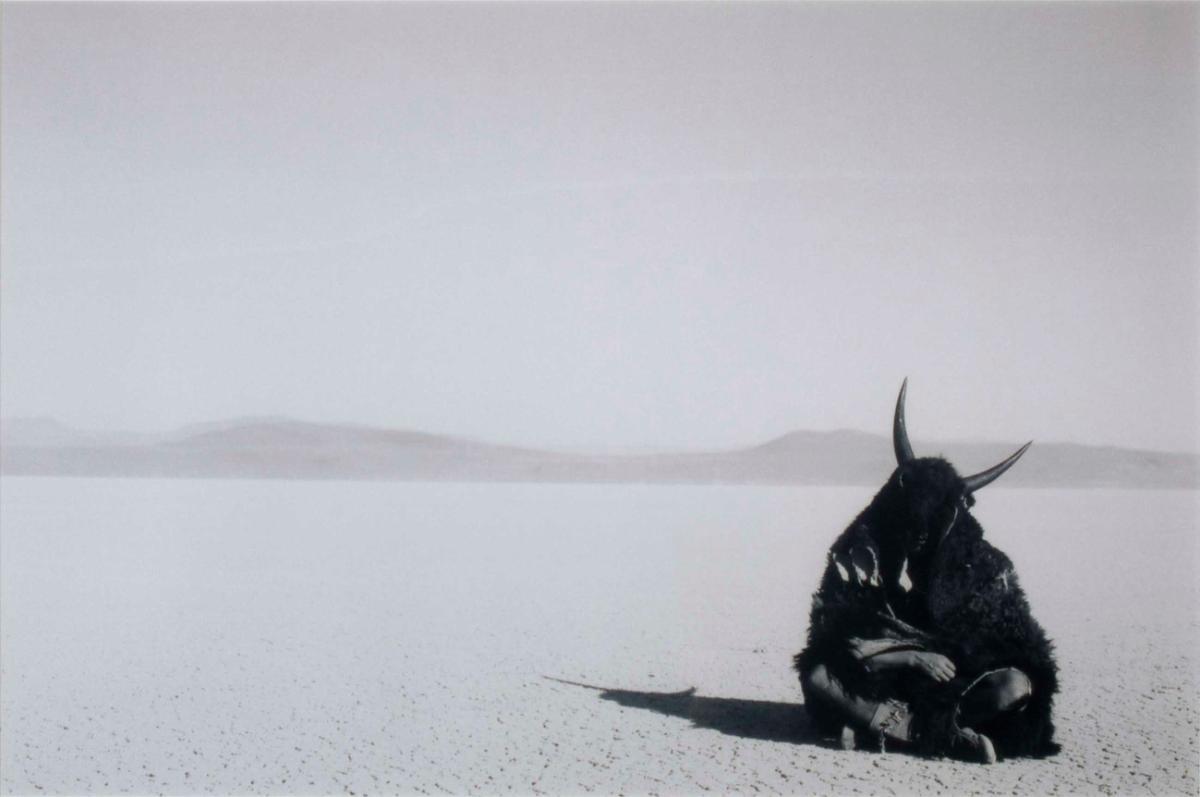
984 478
904 452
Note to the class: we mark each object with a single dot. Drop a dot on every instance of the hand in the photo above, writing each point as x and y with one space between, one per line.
935 665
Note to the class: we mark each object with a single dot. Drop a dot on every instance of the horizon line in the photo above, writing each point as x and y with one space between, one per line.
198 427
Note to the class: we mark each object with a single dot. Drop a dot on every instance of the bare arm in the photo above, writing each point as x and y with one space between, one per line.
934 665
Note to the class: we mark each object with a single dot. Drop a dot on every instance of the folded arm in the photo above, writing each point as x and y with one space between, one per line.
893 653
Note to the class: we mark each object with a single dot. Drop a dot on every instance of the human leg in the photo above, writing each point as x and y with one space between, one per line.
890 719
821 686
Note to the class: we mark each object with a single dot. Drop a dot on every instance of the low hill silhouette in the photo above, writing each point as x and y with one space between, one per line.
289 449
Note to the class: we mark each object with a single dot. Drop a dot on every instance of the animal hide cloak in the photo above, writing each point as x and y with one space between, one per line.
982 622
969 607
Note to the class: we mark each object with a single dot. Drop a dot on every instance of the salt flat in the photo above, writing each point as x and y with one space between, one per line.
299 637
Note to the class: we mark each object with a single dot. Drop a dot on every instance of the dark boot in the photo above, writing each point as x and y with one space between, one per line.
970 745
892 722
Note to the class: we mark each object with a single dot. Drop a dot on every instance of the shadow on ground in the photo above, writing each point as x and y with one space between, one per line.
750 719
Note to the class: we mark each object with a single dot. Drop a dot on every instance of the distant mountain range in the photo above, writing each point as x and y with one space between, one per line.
280 448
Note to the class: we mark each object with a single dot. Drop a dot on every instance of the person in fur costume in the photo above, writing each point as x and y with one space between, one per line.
920 632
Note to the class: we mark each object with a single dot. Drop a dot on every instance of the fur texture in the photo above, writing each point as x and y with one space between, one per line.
914 567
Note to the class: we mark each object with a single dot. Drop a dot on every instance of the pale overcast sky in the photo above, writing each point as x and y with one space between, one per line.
604 226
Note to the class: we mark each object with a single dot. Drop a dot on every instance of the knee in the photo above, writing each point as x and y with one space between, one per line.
816 681
1011 688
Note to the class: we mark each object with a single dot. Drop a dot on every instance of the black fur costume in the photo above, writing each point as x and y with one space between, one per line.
913 567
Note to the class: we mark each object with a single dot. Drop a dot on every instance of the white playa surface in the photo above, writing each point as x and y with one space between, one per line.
296 637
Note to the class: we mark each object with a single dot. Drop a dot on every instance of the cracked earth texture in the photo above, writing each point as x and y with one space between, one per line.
187 637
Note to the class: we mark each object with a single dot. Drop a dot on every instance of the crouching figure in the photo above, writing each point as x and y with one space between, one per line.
920 633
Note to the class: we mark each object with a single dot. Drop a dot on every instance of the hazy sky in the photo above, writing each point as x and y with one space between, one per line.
604 226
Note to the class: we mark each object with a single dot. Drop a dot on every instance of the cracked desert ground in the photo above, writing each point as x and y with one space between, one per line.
270 637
